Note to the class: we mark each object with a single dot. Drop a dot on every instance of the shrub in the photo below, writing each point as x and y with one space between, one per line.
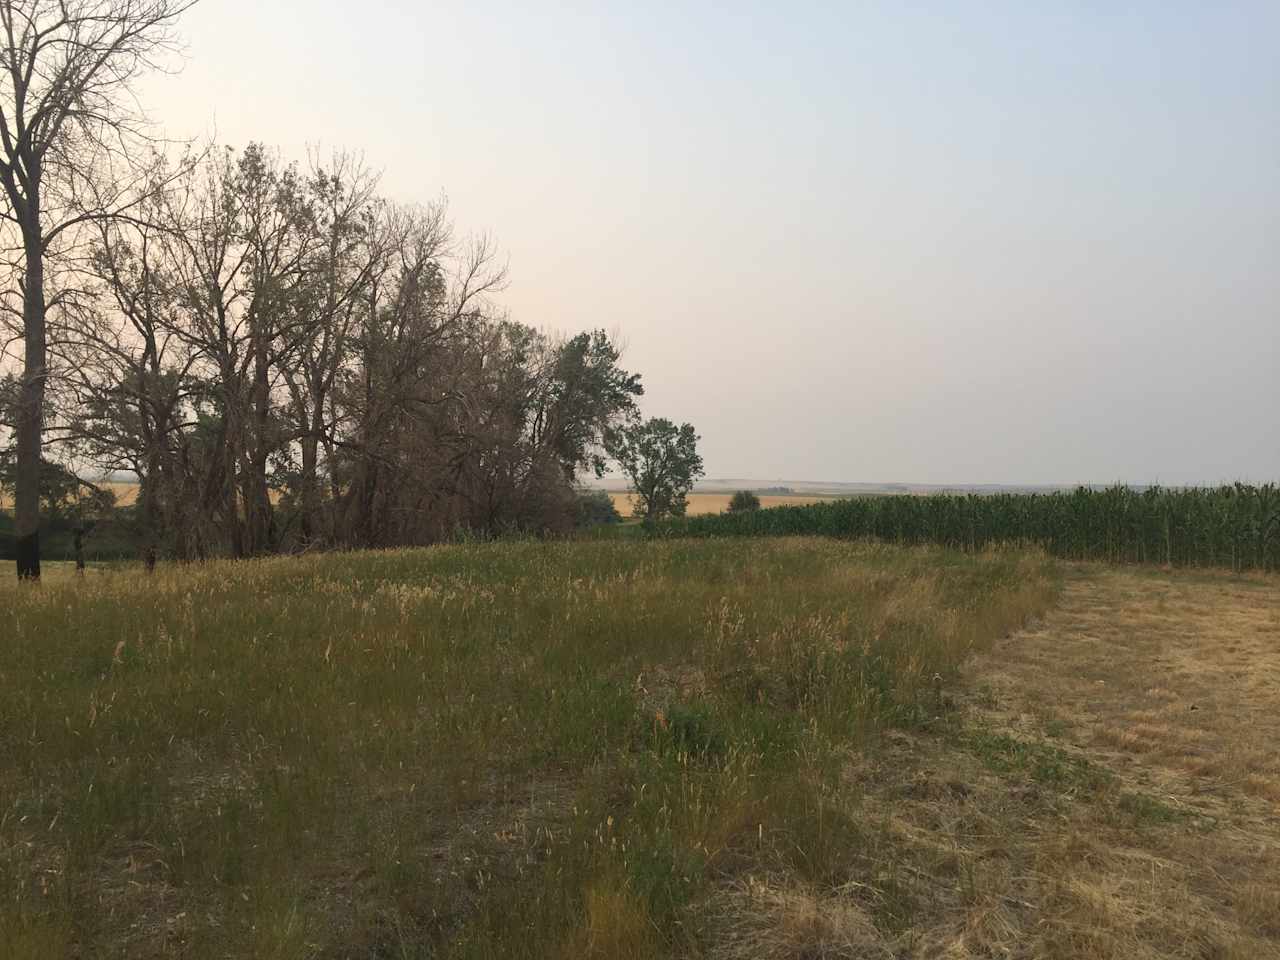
743 501
596 507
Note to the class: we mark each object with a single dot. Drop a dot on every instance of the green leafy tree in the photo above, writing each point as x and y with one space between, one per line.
742 501
596 507
586 397
661 461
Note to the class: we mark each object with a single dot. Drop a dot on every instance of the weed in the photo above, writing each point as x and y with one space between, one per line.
1041 762
1147 810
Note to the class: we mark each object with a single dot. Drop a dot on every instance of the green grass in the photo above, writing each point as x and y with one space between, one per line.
514 749
1147 811
1040 762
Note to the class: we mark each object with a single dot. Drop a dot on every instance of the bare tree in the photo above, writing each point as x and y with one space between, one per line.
288 361
407 372
129 371
66 116
348 260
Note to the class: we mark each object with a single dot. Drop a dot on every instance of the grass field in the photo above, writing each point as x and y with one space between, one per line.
723 749
508 750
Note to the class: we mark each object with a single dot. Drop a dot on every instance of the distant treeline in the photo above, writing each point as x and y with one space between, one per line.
1231 526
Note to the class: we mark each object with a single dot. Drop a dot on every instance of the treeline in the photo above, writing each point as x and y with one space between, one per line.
287 360
1231 526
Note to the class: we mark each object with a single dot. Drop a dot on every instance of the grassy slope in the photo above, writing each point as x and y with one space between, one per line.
731 750
589 749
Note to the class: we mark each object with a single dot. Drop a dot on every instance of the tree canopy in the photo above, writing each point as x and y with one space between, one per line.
661 460
287 360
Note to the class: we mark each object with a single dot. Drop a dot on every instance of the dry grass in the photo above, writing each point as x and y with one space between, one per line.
1173 680
701 503
773 919
1107 786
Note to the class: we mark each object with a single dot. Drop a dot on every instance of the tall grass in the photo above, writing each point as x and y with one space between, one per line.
515 749
1232 526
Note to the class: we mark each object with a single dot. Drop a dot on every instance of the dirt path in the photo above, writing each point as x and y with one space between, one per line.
1105 783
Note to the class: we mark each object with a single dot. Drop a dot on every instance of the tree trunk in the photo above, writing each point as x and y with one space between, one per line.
30 425
150 480
257 498
310 489
148 504
231 447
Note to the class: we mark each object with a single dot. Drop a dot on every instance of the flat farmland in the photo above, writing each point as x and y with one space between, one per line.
699 503
702 503
126 493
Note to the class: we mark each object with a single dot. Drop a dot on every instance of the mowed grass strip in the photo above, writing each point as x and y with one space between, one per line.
521 749
1107 786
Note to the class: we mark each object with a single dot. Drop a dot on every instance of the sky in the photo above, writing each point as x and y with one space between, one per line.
935 243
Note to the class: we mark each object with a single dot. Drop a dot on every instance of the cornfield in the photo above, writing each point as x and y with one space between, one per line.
1235 526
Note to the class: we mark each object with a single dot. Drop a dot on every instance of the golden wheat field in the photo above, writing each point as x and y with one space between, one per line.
126 493
700 503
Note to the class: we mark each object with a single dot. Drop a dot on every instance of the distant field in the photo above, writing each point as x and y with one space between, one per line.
699 503
126 494
704 503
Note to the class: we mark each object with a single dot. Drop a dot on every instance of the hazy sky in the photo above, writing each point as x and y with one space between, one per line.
997 242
